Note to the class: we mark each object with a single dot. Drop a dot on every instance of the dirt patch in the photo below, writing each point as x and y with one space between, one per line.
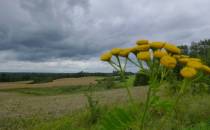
16 105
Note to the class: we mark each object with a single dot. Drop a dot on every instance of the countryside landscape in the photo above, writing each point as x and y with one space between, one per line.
102 65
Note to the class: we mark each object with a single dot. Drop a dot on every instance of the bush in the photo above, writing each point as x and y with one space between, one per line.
201 86
107 83
141 79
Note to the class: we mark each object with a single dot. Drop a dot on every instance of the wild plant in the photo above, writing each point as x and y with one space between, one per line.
157 60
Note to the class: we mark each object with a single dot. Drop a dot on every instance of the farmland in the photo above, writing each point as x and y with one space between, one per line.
54 83
45 106
22 101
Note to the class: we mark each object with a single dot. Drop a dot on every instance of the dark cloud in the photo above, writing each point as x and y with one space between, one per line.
43 30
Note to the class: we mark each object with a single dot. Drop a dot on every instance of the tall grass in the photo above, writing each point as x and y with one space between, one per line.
193 117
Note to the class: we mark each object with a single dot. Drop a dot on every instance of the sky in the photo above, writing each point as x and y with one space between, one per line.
69 35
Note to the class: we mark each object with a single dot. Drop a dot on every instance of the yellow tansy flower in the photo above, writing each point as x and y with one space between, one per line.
106 56
168 61
195 59
143 47
159 53
184 60
125 52
157 45
116 51
142 42
177 56
185 56
172 48
194 64
188 72
134 50
145 55
206 68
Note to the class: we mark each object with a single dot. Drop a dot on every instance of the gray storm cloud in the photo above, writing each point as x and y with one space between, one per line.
43 30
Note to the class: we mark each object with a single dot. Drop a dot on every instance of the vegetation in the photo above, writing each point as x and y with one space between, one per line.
177 89
158 61
48 77
200 49
102 84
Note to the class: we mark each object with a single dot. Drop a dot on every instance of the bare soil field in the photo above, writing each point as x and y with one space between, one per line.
20 105
55 83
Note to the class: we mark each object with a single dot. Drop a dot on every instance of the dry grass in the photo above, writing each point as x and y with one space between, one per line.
55 83
19 105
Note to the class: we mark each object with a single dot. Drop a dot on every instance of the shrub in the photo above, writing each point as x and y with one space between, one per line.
106 83
141 79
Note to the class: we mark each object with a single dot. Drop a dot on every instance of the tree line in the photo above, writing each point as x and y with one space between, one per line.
48 77
200 49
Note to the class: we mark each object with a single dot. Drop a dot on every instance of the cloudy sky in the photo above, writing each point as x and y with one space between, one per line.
69 35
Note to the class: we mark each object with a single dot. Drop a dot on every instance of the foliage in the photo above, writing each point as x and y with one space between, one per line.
48 90
141 79
158 61
201 49
107 82
119 119
19 123
93 108
47 77
185 108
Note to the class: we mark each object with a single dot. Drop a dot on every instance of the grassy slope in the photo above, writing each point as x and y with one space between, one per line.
195 115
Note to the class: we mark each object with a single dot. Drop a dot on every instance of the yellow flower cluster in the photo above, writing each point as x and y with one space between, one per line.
157 45
106 56
177 56
188 72
145 55
125 52
145 47
116 51
206 68
159 53
194 64
168 61
183 60
172 48
167 54
142 42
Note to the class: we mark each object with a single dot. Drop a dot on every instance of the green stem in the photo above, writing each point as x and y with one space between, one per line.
129 95
141 65
145 109
122 73
133 62
118 59
182 89
126 60
199 77
114 63
113 66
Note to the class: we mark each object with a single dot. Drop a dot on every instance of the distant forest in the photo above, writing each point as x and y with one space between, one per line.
48 77
199 49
